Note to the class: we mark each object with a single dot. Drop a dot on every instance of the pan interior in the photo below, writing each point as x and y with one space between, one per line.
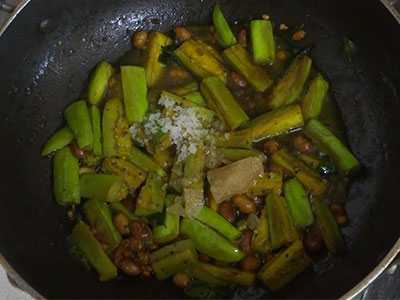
50 49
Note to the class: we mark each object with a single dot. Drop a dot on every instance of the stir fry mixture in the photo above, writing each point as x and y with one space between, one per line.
208 157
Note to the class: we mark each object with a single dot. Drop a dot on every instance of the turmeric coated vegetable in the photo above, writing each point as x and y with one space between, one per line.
241 60
151 197
221 100
288 88
314 97
281 269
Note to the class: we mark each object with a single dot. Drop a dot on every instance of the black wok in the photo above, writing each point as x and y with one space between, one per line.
50 48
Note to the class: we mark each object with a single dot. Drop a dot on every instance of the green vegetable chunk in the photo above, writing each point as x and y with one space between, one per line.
186 89
222 28
197 270
310 179
218 223
196 98
330 231
314 97
97 88
154 68
119 207
95 118
234 139
269 182
173 258
233 154
285 266
116 138
220 99
135 92
331 145
281 227
151 197
210 242
59 139
241 60
103 187
225 274
260 240
170 229
100 218
66 177
78 119
197 58
298 203
91 249
288 88
132 175
176 176
145 162
276 122
193 173
262 38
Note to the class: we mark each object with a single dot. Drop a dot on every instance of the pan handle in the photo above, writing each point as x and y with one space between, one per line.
6 7
394 7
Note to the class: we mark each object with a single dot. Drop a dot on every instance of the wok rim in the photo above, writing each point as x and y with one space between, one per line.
378 270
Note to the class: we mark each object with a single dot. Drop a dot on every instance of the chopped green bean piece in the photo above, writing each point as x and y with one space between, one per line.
196 98
209 242
151 197
66 177
116 138
169 230
176 177
281 227
326 222
331 145
311 161
222 28
226 274
91 249
233 154
314 97
103 187
200 61
262 38
298 203
269 182
145 162
218 223
260 239
132 175
276 122
241 60
119 207
234 139
288 88
153 67
173 258
100 219
310 179
220 98
97 88
135 92
78 119
193 174
95 118
198 271
58 140
285 266
186 89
